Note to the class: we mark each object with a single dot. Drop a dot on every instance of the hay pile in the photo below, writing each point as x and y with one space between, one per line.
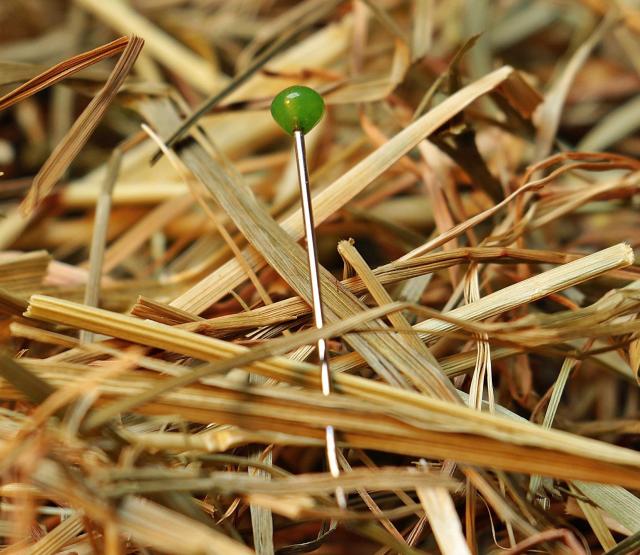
475 190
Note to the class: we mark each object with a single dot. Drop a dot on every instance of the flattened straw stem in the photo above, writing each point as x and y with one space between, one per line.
100 228
316 295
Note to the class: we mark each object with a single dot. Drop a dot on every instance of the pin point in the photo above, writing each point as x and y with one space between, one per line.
298 110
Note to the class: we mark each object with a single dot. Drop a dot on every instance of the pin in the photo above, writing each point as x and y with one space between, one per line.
297 110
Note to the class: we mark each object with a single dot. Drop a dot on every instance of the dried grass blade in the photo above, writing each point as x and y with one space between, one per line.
152 222
423 24
444 520
61 536
595 520
372 505
24 271
620 503
12 304
552 408
63 70
262 520
549 112
380 479
99 237
81 130
617 125
152 525
375 88
186 63
218 441
32 386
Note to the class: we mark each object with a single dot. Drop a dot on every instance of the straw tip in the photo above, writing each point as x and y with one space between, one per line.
628 254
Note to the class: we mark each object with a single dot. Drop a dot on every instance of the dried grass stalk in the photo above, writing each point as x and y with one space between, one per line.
81 130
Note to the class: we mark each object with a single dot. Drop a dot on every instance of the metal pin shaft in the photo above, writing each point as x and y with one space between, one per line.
316 295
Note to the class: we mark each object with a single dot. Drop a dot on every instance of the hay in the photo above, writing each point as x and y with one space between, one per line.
475 192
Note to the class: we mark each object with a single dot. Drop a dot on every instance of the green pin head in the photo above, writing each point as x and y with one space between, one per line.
297 108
